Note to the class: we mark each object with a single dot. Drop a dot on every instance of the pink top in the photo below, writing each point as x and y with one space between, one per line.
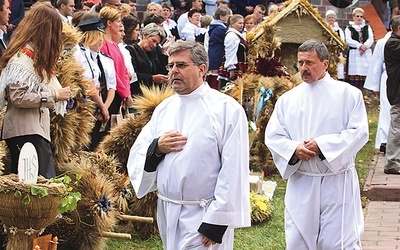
123 83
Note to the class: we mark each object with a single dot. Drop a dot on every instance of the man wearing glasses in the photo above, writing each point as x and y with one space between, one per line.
195 152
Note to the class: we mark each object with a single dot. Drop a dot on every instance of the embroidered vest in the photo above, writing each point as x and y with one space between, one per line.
355 35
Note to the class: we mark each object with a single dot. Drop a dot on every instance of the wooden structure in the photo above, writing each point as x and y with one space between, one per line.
297 21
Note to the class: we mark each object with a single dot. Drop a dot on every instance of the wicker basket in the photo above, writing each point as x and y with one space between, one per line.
23 223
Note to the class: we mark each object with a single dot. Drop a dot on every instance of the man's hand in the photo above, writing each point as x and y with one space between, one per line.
313 146
170 142
303 153
207 242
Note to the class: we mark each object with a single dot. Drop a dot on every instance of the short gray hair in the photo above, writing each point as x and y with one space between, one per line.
153 29
221 11
395 22
330 12
313 45
197 52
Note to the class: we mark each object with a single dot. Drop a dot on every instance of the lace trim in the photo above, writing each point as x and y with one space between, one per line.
18 71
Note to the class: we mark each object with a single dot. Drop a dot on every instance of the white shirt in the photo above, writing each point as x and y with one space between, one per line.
231 43
87 58
128 62
91 69
182 21
168 25
190 31
109 69
376 81
65 19
2 38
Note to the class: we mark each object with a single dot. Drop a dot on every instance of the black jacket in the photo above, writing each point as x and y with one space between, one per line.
392 62
146 65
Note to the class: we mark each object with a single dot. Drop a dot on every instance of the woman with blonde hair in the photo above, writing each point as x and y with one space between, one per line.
98 68
359 39
112 23
30 86
236 48
154 8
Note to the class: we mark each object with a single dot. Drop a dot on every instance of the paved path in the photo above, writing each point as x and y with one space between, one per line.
382 215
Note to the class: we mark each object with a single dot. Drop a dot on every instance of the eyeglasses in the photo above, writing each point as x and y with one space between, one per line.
118 5
178 65
359 16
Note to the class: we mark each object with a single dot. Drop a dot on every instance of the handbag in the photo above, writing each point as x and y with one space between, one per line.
118 119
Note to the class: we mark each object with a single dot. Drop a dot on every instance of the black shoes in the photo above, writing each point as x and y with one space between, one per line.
383 148
392 171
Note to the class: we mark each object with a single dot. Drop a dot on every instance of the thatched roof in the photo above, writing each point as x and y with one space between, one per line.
296 21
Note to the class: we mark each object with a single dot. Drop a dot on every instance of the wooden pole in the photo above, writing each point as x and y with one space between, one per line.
125 217
116 235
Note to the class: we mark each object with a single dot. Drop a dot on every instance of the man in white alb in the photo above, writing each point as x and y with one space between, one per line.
195 152
376 81
314 133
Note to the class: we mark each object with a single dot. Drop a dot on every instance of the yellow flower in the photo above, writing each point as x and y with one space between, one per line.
262 206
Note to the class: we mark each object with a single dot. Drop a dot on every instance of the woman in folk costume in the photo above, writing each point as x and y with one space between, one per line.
359 38
192 28
170 26
30 87
236 48
104 81
330 17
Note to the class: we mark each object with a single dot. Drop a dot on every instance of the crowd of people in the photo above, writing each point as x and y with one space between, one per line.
206 22
183 43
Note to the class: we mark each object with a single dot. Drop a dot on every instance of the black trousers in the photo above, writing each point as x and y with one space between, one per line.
43 148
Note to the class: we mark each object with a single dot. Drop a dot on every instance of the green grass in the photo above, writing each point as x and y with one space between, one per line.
269 235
